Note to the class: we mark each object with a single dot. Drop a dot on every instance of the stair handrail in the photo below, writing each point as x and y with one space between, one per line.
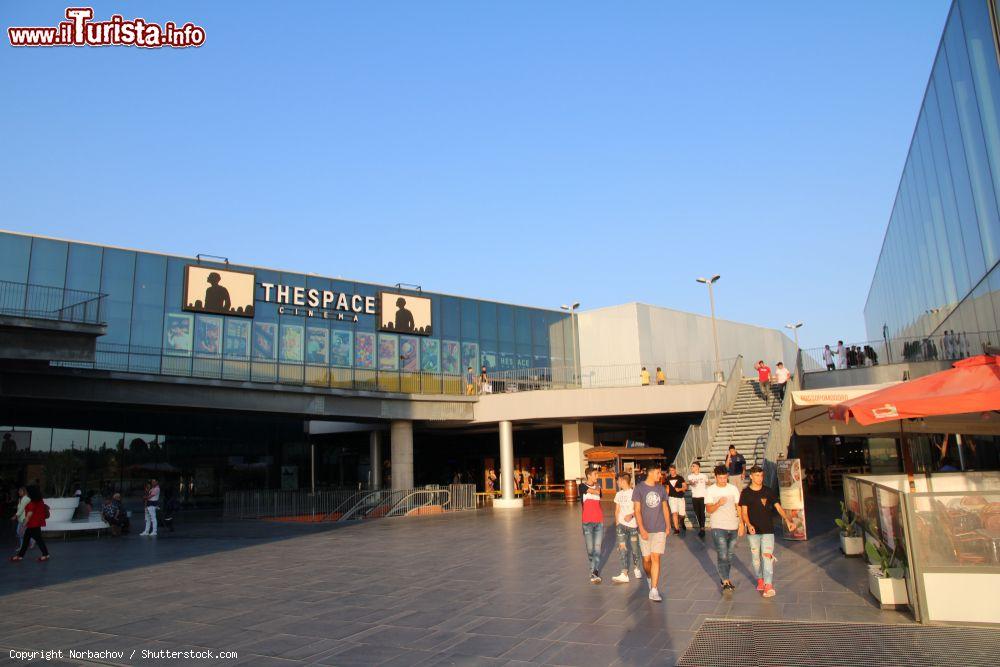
698 439
780 432
429 494
363 505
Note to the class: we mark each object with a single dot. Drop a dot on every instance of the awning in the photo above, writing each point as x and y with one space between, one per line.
610 453
834 395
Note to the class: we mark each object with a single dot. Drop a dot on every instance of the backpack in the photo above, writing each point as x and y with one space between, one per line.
47 512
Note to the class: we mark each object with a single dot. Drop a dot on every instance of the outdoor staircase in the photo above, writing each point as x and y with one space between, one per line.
745 425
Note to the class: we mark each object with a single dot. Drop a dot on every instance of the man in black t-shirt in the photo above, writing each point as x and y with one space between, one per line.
676 486
757 506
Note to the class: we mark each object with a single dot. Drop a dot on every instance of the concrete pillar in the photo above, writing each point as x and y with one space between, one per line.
507 499
401 443
375 447
577 438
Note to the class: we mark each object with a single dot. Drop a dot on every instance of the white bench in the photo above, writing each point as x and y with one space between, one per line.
94 522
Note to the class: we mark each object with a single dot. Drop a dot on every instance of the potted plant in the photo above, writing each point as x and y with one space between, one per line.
61 468
886 575
851 542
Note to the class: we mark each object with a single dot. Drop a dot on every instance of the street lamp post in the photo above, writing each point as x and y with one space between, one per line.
795 329
715 331
571 309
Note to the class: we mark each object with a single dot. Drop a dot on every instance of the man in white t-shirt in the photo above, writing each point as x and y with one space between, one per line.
626 529
697 481
781 377
721 501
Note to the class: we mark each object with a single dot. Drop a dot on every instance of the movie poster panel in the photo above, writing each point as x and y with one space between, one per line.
364 350
470 357
15 441
265 336
178 334
791 497
317 346
430 355
388 352
409 354
404 313
450 362
219 291
291 342
236 344
208 335
341 348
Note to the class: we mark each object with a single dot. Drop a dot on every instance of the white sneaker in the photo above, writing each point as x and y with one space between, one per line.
144 533
638 573
621 578
654 595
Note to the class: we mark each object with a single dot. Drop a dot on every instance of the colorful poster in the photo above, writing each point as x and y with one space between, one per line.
341 348
265 335
364 350
409 354
488 358
388 352
178 333
236 344
450 362
791 497
430 355
291 342
207 335
317 345
470 356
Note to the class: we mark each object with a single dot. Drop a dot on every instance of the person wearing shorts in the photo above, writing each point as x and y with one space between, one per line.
652 513
676 486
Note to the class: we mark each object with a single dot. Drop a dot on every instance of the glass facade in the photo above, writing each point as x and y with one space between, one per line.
938 269
149 331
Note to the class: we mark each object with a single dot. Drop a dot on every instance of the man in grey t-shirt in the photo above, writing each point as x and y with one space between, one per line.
652 514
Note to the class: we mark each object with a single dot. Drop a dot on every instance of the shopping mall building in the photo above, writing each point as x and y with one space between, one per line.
217 376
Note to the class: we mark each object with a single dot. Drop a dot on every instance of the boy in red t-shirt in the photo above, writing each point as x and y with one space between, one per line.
593 523
764 380
35 519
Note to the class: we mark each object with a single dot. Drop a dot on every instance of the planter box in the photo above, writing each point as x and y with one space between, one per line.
852 546
889 592
62 509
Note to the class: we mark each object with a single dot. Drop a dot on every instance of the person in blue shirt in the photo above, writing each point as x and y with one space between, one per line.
735 463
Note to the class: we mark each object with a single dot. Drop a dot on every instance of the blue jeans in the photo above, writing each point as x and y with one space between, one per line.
593 538
725 547
628 539
763 543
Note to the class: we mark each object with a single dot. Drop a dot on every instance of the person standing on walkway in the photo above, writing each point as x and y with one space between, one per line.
19 518
721 501
764 380
781 377
626 530
152 502
828 358
470 382
35 514
675 498
841 355
697 481
593 523
735 464
758 504
644 377
652 514
660 377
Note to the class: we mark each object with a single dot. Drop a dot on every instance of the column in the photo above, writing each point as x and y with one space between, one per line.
401 444
375 447
507 499
577 438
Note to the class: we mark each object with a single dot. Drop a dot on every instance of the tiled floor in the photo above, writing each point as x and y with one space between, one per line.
486 588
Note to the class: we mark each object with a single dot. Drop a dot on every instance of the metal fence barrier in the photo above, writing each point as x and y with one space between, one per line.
347 504
51 303
590 377
938 347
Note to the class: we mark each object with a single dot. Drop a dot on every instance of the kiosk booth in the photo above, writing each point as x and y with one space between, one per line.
613 460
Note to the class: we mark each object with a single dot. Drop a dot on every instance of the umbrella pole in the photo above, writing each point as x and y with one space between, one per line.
961 456
904 446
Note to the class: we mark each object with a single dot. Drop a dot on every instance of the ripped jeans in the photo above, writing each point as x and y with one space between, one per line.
628 540
762 570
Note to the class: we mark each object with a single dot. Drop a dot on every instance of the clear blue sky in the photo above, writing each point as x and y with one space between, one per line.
532 152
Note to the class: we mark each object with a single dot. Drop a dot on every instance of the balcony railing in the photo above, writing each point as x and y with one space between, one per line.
592 377
937 347
51 303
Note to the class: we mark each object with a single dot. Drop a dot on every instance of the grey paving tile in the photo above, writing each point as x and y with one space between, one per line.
485 646
585 655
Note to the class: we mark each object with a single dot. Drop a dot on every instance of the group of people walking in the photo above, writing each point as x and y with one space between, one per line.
645 513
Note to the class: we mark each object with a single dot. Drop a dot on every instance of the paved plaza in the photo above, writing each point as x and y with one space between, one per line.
477 588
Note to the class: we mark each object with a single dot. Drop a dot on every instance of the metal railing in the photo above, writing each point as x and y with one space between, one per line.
51 303
697 441
591 377
780 432
936 347
347 504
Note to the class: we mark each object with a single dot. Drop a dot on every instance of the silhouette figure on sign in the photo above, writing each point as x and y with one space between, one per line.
404 318
216 296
